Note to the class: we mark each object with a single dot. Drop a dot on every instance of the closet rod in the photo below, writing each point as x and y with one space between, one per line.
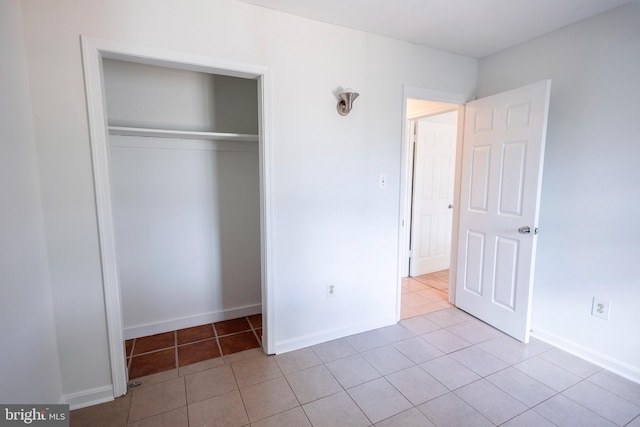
181 134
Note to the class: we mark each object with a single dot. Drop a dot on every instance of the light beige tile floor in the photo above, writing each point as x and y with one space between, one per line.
424 294
443 368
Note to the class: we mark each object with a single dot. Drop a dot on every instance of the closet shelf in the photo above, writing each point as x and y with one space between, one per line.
181 134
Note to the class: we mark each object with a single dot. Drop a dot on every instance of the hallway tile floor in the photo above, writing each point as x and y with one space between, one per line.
443 368
424 294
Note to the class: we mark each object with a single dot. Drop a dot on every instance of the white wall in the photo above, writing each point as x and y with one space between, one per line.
186 212
589 239
159 97
187 229
332 224
29 366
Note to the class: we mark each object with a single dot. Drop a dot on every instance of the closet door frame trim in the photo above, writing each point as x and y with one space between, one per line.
93 50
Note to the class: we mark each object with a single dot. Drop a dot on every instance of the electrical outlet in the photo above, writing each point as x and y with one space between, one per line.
382 181
600 308
331 290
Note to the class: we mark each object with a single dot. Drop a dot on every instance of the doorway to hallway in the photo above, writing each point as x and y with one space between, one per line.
424 294
433 176
429 165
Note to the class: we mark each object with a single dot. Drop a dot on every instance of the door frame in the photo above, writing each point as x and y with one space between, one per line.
93 50
406 177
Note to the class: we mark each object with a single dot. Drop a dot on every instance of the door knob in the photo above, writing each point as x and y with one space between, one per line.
527 230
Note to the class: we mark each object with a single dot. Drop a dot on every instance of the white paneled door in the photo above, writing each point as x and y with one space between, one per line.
503 152
431 212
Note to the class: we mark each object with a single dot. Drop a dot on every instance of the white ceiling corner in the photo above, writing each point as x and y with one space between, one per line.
473 28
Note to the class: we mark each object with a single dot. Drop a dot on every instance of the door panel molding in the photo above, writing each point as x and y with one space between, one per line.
502 160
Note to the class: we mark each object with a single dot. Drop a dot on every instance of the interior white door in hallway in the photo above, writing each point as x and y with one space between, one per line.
433 183
503 152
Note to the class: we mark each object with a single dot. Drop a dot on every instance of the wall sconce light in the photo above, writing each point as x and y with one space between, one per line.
346 101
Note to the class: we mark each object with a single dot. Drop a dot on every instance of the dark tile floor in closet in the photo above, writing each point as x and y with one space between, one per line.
175 349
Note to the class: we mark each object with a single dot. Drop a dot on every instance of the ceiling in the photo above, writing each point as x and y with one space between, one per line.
473 28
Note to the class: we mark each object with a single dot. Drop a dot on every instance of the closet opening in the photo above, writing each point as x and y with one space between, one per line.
181 166
185 193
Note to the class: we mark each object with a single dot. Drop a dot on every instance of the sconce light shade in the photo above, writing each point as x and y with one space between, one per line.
346 101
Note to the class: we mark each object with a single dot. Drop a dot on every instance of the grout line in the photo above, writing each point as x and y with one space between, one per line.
442 298
415 364
215 334
196 342
133 347
176 346
244 405
152 351
234 333
187 404
290 388
186 399
215 331
130 399
255 332
175 342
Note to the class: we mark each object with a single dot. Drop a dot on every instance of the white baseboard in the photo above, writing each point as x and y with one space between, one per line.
190 321
324 336
93 396
625 370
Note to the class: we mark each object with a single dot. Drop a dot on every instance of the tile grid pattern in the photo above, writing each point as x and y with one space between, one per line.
443 368
166 351
424 294
170 350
